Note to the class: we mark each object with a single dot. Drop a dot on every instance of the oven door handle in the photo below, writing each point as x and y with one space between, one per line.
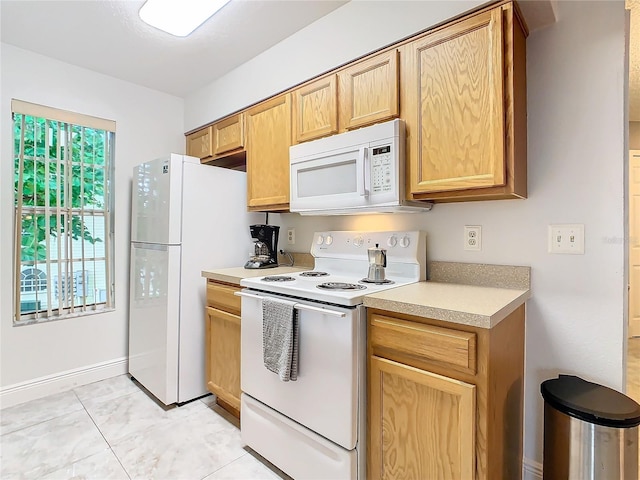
297 306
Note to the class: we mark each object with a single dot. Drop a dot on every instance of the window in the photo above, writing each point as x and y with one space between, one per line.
63 192
32 279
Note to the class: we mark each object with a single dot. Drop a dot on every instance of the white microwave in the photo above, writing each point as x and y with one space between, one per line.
360 171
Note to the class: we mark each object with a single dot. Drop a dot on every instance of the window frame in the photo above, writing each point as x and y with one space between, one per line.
69 123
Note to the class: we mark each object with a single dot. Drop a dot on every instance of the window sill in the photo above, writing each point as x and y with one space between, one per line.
66 316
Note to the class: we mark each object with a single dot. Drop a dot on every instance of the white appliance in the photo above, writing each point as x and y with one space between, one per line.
314 427
185 217
360 171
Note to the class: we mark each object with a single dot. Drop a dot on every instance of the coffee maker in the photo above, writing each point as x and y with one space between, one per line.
377 264
265 238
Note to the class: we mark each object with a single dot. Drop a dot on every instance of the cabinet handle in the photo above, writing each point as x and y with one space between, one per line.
363 174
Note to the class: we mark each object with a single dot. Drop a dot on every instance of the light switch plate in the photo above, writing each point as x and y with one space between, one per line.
567 239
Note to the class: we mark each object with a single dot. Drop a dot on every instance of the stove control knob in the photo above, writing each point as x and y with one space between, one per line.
358 241
392 241
329 240
405 241
320 240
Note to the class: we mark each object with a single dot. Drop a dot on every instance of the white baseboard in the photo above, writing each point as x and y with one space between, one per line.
532 470
60 382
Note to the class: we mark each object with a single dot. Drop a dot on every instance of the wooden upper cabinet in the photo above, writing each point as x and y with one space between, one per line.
268 141
199 144
215 143
461 84
228 134
460 88
457 77
368 91
315 109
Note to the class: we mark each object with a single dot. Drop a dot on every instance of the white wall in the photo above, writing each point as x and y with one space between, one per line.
149 125
351 31
575 319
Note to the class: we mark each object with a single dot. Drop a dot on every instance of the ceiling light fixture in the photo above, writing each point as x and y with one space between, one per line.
179 18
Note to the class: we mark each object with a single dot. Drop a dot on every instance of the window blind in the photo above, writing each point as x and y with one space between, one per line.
73 118
63 213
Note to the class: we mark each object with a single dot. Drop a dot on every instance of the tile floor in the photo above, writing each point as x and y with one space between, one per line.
113 429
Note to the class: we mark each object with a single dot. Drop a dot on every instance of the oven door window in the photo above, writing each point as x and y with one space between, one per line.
332 180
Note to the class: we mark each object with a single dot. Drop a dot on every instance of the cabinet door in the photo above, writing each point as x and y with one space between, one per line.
368 91
223 356
421 425
228 134
315 109
455 106
268 142
199 144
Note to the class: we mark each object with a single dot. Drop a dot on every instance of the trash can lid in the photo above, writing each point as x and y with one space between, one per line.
591 402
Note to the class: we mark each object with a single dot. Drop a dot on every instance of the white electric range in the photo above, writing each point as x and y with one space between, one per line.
314 427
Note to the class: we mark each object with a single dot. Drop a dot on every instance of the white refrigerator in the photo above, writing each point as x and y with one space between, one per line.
185 218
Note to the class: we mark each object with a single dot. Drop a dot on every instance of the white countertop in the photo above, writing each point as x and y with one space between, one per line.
473 305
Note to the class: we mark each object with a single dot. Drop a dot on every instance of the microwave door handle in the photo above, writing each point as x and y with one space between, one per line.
362 174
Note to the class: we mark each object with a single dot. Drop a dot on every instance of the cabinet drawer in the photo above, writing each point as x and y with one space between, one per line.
442 345
221 296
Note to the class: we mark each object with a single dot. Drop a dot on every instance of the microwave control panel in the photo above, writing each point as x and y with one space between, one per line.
381 169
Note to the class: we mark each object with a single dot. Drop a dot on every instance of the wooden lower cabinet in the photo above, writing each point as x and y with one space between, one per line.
423 423
223 345
432 416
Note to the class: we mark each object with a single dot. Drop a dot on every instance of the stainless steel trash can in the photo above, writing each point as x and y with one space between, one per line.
590 431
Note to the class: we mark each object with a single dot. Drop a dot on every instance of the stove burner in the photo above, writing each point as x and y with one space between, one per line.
314 274
340 286
377 282
278 278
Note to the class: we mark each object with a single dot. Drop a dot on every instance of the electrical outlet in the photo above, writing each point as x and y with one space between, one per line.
567 239
473 237
291 236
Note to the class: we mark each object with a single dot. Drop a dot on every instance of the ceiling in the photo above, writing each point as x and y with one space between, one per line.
108 37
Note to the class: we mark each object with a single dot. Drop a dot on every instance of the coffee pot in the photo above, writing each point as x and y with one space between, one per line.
377 263
265 238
